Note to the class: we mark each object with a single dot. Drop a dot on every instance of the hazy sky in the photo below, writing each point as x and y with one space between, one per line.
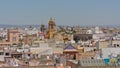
65 12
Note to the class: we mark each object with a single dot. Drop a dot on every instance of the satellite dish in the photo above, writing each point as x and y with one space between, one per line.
114 55
109 53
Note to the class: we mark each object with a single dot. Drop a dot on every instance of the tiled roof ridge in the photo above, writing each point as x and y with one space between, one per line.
69 46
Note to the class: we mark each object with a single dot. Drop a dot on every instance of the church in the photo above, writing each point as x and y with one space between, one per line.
51 29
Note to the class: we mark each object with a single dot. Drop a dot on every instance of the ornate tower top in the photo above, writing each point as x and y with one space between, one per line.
51 22
51 19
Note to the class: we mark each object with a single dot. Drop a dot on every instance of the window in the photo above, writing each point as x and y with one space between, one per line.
117 45
14 33
1 53
7 54
28 54
14 39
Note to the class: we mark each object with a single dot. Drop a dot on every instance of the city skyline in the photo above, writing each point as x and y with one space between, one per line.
77 12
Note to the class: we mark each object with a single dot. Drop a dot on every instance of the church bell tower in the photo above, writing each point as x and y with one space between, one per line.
51 28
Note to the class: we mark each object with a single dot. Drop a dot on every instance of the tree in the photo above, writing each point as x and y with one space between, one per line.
76 39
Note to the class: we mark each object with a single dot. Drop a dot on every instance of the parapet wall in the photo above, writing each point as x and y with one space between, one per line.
100 67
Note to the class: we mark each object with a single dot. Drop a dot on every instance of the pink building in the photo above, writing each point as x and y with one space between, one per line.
13 36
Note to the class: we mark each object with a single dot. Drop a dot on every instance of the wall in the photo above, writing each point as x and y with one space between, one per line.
73 65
